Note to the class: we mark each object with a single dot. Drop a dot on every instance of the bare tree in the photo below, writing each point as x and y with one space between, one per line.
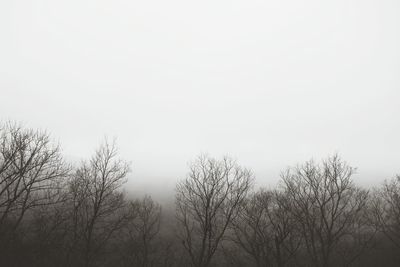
329 209
387 210
142 230
31 174
266 230
96 203
207 201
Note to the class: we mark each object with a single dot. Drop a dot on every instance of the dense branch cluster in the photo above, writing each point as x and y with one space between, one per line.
53 213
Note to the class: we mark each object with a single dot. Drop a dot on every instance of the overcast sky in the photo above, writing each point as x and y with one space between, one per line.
271 83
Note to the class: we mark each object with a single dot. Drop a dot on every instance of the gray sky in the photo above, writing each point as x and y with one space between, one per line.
272 83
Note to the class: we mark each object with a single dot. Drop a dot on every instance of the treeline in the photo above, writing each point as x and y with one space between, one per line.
53 213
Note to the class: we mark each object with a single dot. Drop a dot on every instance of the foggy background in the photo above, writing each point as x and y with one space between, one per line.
271 83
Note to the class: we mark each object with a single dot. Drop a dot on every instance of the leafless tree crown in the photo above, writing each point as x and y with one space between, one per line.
328 207
207 202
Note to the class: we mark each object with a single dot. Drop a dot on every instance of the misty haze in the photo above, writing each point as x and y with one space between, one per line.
199 134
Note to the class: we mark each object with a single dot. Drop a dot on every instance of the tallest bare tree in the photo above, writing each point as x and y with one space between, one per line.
207 202
330 211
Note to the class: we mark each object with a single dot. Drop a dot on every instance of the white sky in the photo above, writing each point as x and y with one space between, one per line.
272 83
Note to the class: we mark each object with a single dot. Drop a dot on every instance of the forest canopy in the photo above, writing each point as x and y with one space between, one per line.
56 213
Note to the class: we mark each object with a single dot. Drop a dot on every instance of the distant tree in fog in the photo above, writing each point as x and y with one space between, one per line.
142 230
266 230
207 201
387 210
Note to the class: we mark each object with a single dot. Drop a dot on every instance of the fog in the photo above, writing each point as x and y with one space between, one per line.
270 83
